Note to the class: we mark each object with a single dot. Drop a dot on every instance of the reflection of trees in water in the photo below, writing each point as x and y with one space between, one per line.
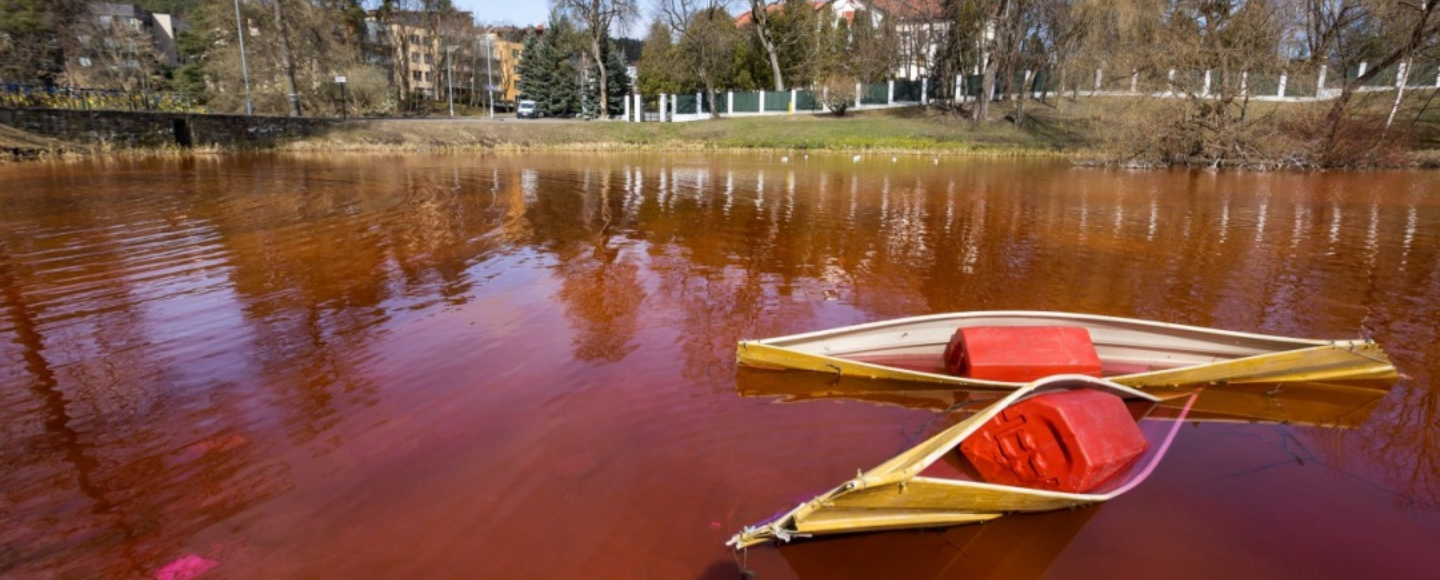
319 265
602 295
98 481
1404 439
753 252
323 255
333 253
599 284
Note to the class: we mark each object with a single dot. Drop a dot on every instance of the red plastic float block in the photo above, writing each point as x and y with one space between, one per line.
1021 354
1070 441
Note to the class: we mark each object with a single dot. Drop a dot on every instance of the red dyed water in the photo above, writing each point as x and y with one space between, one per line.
522 366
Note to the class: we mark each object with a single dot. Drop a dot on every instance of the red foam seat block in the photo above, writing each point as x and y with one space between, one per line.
1021 353
1069 441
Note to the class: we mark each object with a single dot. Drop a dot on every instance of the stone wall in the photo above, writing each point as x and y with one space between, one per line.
124 129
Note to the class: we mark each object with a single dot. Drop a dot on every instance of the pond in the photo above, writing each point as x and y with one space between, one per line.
522 365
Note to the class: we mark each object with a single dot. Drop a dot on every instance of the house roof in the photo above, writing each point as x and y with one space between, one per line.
746 17
909 8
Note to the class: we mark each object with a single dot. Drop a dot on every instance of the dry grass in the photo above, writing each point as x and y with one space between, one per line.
910 130
22 144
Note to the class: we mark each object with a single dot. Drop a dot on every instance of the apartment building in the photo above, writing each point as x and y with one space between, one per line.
121 46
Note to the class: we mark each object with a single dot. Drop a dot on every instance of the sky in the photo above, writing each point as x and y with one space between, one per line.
529 12
518 12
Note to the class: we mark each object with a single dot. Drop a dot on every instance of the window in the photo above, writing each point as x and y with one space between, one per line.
429 59
415 38
415 57
416 75
427 77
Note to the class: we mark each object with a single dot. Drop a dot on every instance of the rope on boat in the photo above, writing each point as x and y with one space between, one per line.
742 561
958 405
1366 356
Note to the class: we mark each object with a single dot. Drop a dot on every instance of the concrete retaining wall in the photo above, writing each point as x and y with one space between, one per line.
126 129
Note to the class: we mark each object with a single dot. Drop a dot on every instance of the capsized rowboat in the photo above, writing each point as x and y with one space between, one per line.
1136 353
929 485
1335 405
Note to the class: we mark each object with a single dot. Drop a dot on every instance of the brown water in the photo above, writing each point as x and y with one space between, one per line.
522 366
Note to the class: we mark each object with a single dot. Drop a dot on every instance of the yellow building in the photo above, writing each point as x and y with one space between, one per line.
504 56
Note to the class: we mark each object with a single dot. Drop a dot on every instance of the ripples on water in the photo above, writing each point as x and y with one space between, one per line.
459 367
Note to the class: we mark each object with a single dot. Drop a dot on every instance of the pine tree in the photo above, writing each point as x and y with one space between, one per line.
546 75
618 86
529 69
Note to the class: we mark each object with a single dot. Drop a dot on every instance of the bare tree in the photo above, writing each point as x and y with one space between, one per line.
760 19
1409 29
706 37
287 59
598 17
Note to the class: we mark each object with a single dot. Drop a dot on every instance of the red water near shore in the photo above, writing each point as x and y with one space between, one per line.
522 366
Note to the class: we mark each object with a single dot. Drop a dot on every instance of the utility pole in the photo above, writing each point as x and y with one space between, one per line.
244 69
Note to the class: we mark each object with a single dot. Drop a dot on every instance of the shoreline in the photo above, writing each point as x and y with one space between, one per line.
1050 132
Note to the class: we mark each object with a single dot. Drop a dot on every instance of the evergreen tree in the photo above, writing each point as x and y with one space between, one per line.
529 69
561 97
659 70
546 75
618 87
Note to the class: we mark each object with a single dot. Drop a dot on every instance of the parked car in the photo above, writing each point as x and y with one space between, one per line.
527 110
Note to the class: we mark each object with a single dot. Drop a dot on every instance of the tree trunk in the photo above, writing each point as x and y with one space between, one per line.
603 99
286 60
1423 30
760 19
987 89
1400 81
1025 87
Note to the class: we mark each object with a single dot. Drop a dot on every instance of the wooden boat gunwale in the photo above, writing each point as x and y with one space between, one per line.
904 469
1288 359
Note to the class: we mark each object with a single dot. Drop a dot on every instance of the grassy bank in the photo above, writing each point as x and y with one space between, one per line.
906 130
1087 129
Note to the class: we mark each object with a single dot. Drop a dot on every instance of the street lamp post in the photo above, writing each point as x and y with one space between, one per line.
244 69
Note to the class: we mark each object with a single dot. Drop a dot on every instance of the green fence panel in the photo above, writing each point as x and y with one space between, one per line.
907 91
685 104
1042 82
876 94
1424 75
777 101
1229 84
973 83
1264 85
747 102
807 101
1301 84
936 88
1386 78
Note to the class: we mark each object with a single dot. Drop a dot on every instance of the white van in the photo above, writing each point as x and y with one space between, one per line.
527 110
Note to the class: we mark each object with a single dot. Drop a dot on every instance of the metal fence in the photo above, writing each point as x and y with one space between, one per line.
81 99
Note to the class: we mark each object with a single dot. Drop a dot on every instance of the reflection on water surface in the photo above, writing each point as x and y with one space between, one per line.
468 366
